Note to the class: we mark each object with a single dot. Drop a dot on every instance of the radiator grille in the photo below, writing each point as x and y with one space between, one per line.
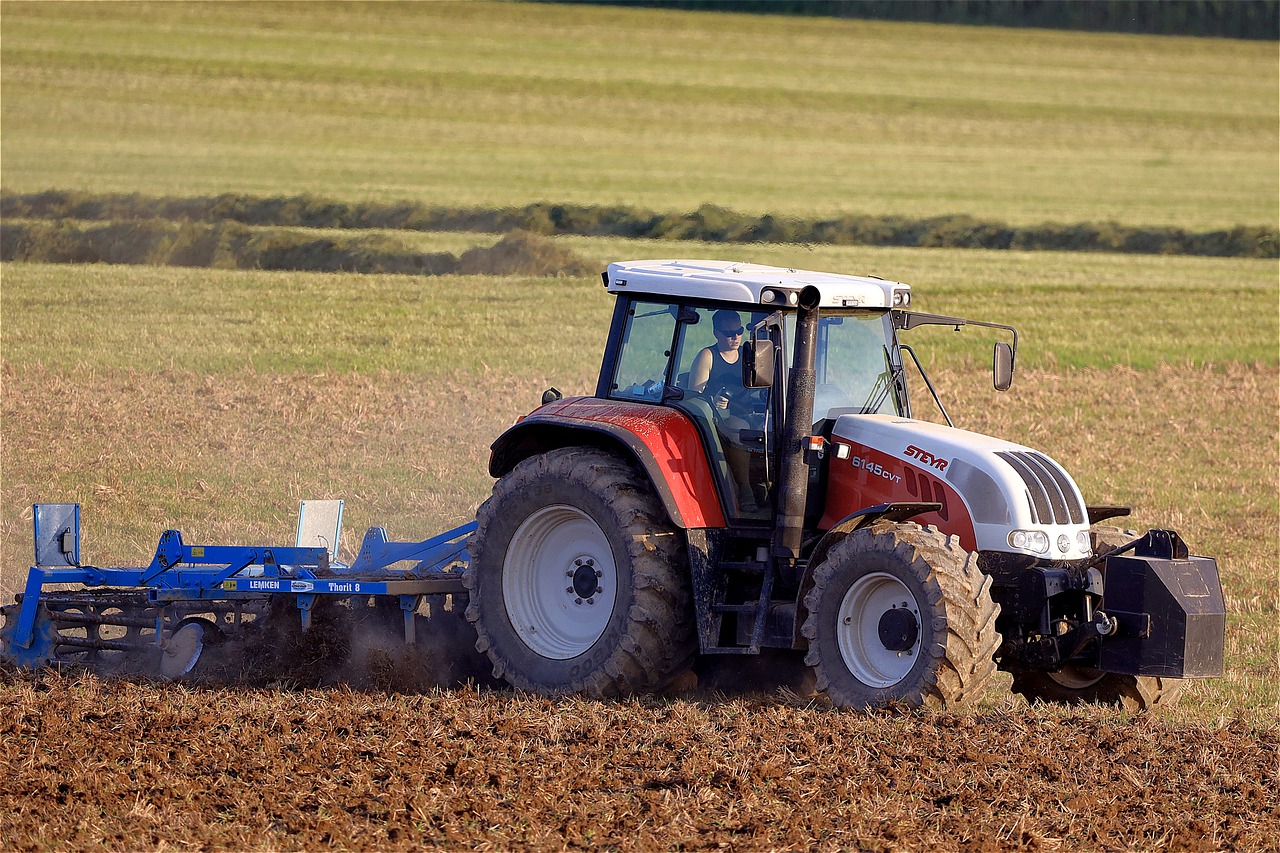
1053 501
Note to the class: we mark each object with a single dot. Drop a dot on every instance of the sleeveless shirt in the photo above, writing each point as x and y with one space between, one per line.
724 374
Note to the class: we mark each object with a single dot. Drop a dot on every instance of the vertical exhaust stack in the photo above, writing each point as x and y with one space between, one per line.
793 478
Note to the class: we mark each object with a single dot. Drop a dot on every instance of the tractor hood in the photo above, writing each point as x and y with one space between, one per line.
1017 498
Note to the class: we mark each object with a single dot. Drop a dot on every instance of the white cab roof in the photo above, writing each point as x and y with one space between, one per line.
750 284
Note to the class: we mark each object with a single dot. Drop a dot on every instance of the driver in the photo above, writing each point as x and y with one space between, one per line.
716 372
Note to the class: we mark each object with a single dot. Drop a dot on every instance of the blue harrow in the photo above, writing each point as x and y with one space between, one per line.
158 618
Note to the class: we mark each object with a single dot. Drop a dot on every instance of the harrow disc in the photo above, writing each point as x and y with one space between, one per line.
184 647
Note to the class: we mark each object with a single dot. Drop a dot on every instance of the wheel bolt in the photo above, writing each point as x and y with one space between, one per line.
577 601
599 590
599 573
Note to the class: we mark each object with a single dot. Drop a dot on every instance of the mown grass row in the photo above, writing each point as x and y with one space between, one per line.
231 245
709 223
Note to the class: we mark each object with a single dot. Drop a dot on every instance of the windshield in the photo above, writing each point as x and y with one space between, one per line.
852 370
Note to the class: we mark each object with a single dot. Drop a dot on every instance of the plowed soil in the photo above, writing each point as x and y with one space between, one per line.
115 764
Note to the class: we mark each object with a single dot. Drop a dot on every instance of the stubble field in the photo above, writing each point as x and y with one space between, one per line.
214 400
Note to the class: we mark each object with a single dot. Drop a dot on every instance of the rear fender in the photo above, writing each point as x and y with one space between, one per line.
664 441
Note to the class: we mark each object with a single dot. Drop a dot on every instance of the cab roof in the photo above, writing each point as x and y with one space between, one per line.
751 284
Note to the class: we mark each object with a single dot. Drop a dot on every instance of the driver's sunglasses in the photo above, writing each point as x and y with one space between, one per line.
729 333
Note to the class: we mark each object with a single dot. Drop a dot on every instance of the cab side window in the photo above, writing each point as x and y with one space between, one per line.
646 350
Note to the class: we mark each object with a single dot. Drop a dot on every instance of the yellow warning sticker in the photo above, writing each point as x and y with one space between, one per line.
197 550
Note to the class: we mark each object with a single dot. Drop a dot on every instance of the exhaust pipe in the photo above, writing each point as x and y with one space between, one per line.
793 475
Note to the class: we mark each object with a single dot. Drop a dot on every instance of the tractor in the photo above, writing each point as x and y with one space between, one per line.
749 476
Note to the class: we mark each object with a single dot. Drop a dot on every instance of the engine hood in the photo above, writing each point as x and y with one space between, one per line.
1005 486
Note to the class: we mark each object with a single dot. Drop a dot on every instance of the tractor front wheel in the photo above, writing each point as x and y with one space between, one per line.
577 579
898 613
1075 685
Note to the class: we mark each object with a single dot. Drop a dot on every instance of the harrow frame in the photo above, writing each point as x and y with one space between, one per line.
182 579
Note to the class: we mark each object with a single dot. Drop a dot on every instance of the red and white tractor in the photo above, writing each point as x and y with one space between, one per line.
749 475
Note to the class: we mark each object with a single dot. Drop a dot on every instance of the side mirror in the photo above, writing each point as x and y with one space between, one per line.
1002 366
757 363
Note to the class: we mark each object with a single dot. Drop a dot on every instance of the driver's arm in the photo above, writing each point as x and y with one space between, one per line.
700 370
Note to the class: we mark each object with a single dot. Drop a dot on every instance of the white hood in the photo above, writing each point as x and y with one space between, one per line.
1005 486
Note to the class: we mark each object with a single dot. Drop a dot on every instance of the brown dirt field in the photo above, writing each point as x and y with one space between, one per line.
91 763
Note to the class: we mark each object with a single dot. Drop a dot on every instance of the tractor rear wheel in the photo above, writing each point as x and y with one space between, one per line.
1077 685
577 579
900 614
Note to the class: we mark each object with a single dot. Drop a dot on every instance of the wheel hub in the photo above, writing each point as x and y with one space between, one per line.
898 629
585 579
559 582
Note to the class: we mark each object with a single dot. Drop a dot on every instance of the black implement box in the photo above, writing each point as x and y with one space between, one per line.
1169 609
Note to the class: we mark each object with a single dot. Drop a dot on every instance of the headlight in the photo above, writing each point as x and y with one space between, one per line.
1082 542
1030 540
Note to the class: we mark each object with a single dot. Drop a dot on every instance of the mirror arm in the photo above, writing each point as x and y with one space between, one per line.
908 320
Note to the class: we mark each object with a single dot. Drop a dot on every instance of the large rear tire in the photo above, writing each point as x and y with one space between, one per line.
1077 685
577 579
900 614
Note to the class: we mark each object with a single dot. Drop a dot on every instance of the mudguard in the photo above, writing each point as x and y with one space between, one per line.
664 441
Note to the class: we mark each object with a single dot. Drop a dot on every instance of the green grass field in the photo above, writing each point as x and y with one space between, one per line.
1075 310
502 104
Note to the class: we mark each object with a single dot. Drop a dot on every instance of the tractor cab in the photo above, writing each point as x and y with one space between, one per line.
714 340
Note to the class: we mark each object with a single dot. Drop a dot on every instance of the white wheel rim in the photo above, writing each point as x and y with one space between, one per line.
858 630
546 586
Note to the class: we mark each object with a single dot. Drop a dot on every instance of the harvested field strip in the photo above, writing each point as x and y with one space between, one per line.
708 223
90 763
232 245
